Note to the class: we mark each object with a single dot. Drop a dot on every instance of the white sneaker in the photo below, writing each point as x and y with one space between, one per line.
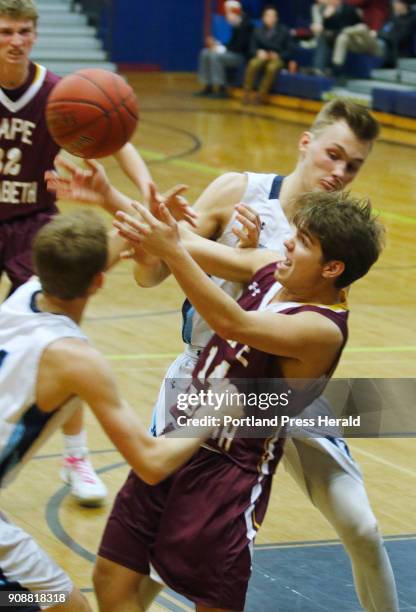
86 486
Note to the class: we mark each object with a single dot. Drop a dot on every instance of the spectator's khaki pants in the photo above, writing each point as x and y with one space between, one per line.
271 68
357 38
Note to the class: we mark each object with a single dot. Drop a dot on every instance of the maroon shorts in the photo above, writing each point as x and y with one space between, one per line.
16 238
196 528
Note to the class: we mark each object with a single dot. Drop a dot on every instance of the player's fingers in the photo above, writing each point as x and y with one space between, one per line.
241 235
166 216
93 165
175 191
248 212
132 235
190 219
245 222
145 214
64 164
129 254
133 222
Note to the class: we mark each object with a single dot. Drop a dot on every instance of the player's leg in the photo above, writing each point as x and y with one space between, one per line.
120 589
77 471
335 488
122 568
25 568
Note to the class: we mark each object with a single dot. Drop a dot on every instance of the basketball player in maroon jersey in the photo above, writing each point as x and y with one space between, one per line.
331 153
195 531
26 152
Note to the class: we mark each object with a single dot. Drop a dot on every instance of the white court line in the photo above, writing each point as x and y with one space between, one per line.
399 468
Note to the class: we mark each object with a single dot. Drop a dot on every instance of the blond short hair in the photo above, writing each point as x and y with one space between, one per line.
356 116
19 9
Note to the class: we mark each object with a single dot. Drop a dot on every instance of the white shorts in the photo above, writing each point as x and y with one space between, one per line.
179 371
305 471
23 562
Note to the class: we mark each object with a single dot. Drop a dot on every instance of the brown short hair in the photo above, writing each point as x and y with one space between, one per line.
19 9
356 116
346 228
68 252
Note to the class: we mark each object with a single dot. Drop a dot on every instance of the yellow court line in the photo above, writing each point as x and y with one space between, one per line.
378 459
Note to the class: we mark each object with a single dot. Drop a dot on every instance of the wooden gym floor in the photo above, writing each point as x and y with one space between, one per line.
193 140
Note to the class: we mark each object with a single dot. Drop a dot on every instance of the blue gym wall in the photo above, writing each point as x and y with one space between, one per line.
168 33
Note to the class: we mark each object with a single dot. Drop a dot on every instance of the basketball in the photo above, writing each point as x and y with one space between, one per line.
92 113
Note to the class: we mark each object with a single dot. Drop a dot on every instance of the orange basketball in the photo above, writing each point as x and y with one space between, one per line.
92 113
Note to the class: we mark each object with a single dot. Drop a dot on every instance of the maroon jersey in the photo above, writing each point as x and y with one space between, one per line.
232 360
26 147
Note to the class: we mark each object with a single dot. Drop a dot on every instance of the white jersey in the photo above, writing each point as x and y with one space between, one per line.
262 194
25 332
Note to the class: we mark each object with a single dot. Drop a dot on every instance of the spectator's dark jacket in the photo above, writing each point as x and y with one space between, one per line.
398 34
343 17
241 37
278 40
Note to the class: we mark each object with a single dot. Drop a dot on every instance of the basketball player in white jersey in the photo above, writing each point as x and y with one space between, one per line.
26 151
331 153
46 361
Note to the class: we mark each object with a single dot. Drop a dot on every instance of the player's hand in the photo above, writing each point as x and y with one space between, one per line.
248 233
88 186
179 206
139 255
157 236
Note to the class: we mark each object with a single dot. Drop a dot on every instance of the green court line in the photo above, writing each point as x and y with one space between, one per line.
182 163
380 349
397 217
190 165
358 349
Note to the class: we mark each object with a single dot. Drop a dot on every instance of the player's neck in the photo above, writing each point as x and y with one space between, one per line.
324 295
292 187
12 77
71 308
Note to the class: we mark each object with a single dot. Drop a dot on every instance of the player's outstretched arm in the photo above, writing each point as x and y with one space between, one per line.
133 166
214 208
83 371
89 185
161 238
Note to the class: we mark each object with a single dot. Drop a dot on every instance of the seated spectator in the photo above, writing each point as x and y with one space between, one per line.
271 48
394 38
307 35
337 15
214 60
374 13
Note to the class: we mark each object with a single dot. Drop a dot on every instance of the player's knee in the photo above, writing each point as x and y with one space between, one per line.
76 602
101 579
365 539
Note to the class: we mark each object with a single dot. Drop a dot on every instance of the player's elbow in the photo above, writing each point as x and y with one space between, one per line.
152 474
228 328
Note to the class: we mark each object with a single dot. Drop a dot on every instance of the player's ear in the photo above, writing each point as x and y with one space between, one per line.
96 283
333 269
304 141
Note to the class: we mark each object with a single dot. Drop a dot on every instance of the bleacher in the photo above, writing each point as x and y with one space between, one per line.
390 91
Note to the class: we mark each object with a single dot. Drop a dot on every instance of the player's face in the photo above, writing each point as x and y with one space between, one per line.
301 271
16 41
331 159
